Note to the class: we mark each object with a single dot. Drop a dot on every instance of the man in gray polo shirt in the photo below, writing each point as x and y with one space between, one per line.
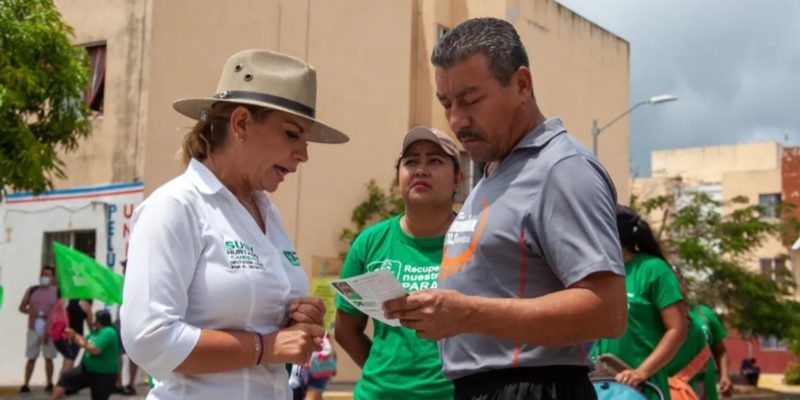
532 267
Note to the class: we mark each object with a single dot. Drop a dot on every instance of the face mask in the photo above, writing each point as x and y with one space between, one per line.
44 280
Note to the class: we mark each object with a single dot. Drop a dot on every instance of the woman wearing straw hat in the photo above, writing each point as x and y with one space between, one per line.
216 301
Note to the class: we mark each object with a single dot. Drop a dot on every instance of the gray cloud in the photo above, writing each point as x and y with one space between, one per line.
734 64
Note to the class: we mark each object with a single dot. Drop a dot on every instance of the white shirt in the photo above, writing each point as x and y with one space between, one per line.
197 259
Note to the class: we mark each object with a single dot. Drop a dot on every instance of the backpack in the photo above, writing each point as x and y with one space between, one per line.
322 366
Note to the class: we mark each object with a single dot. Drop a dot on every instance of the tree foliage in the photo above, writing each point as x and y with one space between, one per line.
42 82
714 247
380 204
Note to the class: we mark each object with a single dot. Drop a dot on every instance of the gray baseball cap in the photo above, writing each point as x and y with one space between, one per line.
434 135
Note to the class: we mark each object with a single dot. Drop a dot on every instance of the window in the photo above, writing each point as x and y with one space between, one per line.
95 93
769 203
83 241
772 342
473 172
774 268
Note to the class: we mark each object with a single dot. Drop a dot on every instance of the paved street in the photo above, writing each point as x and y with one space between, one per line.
39 394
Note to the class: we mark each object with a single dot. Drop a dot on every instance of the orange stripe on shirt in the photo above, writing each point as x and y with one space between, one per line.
451 265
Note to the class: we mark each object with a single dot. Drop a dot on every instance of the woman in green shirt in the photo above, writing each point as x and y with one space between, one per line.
396 364
705 331
100 366
656 320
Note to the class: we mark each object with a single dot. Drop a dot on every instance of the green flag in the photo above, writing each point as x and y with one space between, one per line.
81 277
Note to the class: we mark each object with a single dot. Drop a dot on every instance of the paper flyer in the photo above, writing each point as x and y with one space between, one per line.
367 292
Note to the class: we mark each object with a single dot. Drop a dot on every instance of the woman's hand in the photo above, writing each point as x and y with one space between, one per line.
293 345
70 333
725 386
631 377
79 340
309 310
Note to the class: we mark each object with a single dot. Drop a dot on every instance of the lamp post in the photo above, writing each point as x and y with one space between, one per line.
664 98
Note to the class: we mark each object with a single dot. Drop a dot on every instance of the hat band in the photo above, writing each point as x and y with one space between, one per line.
268 98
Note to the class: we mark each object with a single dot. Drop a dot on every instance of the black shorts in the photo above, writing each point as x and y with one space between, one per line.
67 348
100 385
557 382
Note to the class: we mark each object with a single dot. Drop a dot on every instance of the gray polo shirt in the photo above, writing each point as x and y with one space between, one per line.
544 220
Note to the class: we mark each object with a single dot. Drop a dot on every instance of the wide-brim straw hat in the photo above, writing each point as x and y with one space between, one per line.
267 79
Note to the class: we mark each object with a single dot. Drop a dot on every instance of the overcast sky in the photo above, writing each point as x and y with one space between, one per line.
734 64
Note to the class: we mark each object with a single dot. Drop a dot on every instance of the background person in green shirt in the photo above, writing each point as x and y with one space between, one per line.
396 364
720 369
100 366
705 329
657 323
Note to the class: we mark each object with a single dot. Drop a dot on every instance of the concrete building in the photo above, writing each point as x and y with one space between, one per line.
374 83
755 171
766 173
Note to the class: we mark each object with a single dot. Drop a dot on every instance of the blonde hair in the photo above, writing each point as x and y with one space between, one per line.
211 131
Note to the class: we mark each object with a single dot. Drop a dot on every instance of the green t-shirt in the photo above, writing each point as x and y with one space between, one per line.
715 332
107 362
705 329
400 365
696 340
651 286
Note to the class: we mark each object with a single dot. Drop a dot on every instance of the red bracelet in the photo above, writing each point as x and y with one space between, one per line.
260 348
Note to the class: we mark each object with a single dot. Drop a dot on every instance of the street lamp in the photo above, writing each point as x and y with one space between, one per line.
664 98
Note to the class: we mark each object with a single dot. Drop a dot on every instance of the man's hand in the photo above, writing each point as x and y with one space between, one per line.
434 313
309 310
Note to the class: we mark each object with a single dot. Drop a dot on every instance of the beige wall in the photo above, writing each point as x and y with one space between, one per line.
580 72
114 152
741 170
750 184
709 163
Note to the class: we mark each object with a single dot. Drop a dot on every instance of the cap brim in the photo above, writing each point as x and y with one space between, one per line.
415 135
320 132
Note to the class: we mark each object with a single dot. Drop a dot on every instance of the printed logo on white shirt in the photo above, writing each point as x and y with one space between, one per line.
291 256
242 256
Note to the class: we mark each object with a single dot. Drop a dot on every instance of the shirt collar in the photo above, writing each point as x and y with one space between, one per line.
207 183
542 134
202 178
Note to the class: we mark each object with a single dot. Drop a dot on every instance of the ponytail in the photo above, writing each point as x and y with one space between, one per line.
211 131
195 143
635 233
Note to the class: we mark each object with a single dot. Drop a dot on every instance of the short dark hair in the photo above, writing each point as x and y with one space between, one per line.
48 267
103 317
495 38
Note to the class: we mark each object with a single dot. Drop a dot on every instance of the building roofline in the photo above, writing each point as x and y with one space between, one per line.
595 24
